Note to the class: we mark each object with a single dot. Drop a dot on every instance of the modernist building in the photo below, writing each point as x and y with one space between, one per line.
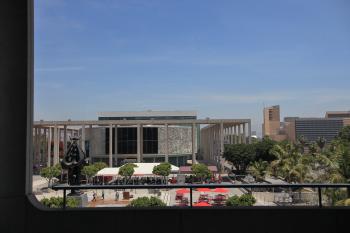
311 128
314 128
151 136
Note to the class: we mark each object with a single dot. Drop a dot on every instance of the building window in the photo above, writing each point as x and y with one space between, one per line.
127 140
150 140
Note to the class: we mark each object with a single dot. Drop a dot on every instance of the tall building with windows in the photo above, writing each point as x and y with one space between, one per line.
314 128
272 123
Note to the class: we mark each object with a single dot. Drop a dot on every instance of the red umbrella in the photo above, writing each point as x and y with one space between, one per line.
202 204
203 190
220 190
182 191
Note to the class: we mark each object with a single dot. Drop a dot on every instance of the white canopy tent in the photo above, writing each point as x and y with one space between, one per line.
142 169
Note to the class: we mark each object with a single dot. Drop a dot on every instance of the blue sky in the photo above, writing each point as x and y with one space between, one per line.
224 59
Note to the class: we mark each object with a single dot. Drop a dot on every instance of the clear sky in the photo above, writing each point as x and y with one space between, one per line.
224 59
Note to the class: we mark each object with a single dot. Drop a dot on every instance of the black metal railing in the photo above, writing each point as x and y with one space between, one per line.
248 187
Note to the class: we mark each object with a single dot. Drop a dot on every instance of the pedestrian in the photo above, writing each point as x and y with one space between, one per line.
117 196
103 194
94 196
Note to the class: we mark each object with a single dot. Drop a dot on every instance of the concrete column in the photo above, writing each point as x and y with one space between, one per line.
139 143
166 144
64 139
239 134
193 143
116 144
222 146
39 146
110 145
222 138
35 146
49 136
83 138
58 144
55 145
244 136
250 132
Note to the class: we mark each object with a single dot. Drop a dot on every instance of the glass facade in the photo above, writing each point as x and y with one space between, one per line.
150 140
127 140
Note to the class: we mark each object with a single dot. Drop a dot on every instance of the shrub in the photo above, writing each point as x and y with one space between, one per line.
244 200
147 202
345 202
57 202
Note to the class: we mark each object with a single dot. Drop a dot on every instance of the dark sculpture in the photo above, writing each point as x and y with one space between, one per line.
73 161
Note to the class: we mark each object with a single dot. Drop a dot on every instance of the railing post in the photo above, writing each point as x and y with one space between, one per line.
64 199
191 197
319 197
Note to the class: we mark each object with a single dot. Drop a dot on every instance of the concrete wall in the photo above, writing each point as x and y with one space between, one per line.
180 140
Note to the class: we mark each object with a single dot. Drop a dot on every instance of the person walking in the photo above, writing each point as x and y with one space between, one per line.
94 196
117 196
103 194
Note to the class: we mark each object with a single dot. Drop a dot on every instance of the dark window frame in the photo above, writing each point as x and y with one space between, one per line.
22 211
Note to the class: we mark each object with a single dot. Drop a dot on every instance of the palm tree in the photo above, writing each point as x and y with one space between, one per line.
258 169
321 142
301 142
290 163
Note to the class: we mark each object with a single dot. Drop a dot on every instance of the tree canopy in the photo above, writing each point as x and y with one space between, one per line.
263 149
50 172
89 171
57 202
244 200
100 165
162 169
127 170
201 171
240 155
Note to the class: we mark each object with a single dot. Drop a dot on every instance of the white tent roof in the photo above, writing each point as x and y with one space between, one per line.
142 169
108 171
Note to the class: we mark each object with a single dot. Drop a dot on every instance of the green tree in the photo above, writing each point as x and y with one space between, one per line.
258 169
147 202
344 135
89 172
313 148
162 169
201 171
244 200
50 172
240 155
263 149
127 171
290 164
301 143
100 165
57 202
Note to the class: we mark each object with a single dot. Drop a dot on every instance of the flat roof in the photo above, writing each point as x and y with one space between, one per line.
149 113
142 122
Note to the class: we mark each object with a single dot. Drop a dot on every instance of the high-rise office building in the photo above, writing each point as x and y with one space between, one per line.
272 123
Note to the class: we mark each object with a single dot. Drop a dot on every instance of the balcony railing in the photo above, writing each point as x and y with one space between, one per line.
191 187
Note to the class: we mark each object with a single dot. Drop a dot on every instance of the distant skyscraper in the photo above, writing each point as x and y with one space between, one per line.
272 123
